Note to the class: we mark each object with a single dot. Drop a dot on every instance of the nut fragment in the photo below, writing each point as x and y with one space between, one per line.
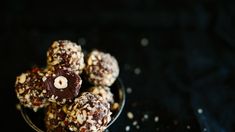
61 82
115 106
22 78
62 86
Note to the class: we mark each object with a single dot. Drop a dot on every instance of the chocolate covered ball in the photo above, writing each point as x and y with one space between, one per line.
54 118
29 89
67 55
101 68
88 113
102 91
61 86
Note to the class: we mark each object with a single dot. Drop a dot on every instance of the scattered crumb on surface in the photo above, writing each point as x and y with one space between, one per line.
137 71
156 118
129 90
127 128
145 117
144 42
130 115
200 111
134 123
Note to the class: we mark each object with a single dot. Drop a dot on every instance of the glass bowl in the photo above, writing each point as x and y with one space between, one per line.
36 119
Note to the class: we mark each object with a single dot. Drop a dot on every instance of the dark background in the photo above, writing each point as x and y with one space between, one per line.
188 63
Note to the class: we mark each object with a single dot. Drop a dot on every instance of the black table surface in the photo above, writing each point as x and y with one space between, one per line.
176 58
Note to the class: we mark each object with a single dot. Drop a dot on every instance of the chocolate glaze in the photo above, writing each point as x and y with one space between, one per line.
61 96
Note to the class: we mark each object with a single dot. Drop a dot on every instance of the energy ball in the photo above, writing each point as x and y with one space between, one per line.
88 113
61 86
54 118
29 89
102 69
67 55
102 91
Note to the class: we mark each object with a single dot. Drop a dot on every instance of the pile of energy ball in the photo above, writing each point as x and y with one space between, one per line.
58 88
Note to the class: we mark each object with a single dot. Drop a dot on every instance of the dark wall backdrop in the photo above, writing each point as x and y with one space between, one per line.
177 57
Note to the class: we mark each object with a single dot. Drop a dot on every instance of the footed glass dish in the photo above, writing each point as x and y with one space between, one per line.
36 119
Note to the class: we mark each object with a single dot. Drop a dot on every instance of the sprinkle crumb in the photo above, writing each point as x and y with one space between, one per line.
144 42
204 129
18 107
156 118
115 106
137 127
146 116
127 128
129 90
134 123
130 115
200 111
137 71
188 127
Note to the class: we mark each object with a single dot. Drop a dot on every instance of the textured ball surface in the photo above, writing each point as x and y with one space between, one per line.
29 89
102 91
67 55
88 113
101 68
54 118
